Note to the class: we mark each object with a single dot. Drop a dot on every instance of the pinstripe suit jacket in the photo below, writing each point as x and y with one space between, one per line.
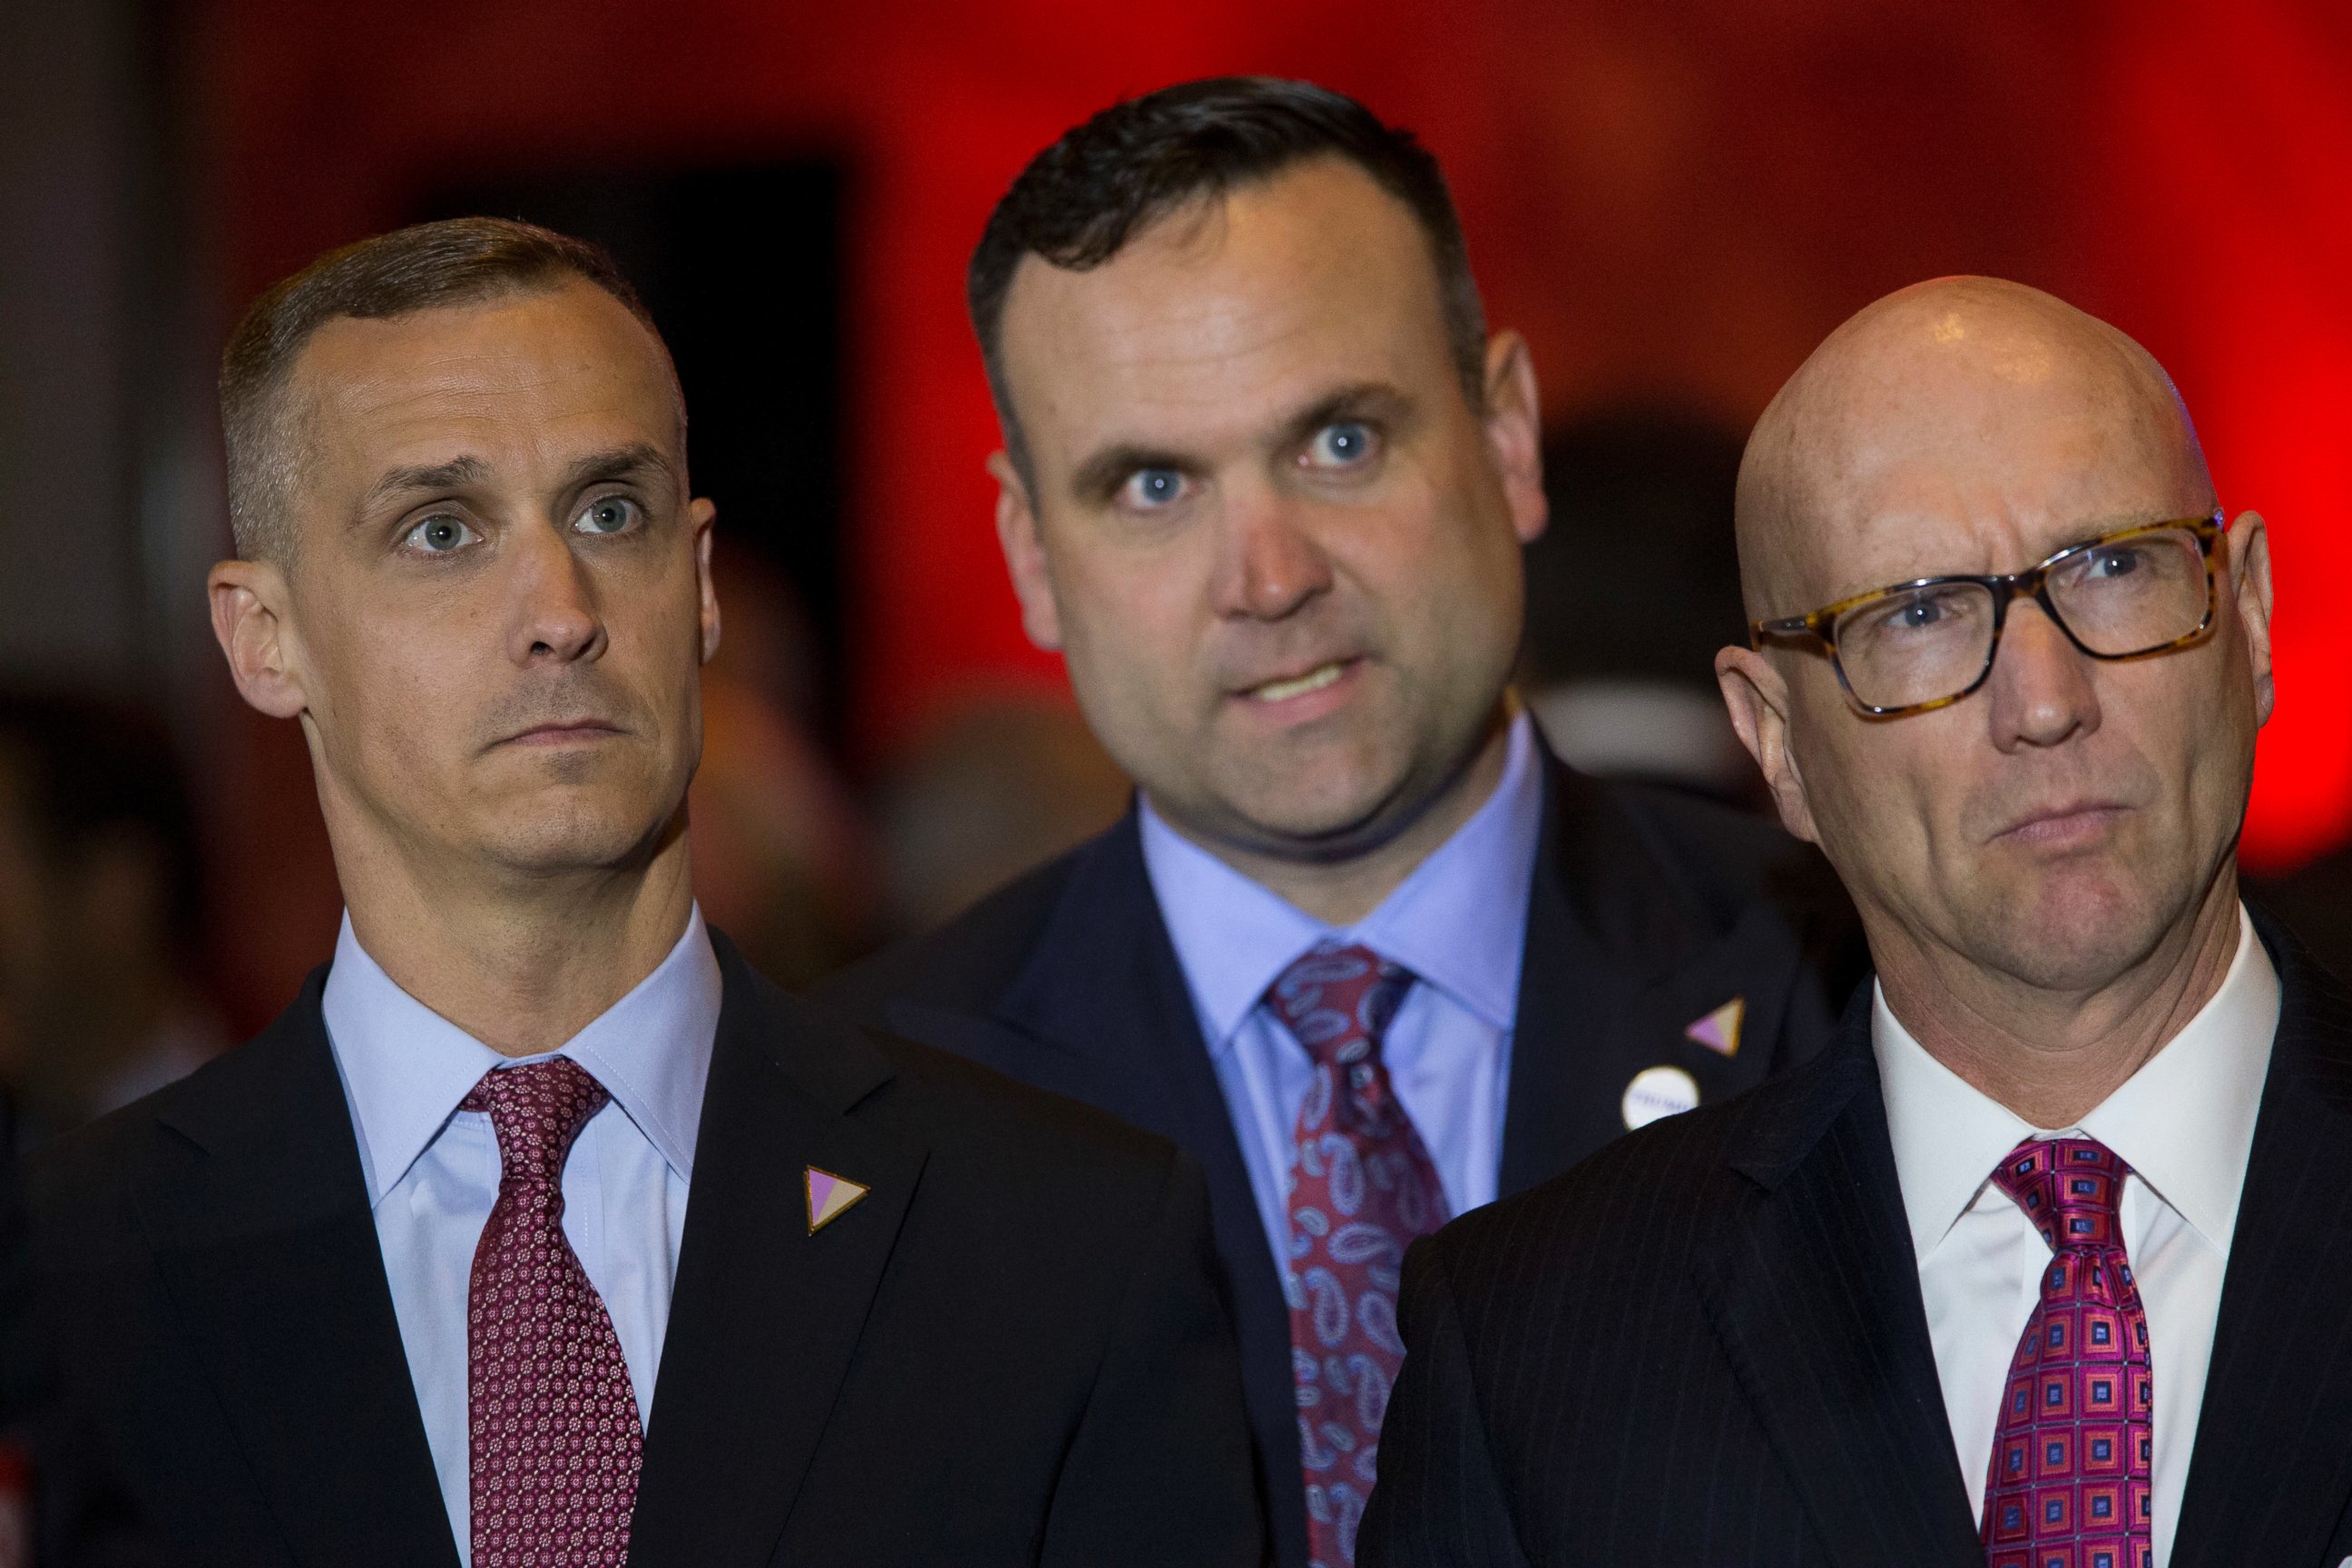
1706 1344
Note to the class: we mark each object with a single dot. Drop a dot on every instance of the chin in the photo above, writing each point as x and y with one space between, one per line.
580 831
2076 931
1337 818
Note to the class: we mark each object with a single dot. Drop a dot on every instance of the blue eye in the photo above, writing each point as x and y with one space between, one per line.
1345 444
440 534
613 514
2113 562
1148 490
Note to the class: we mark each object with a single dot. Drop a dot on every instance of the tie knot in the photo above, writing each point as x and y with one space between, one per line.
2068 1187
1337 1002
538 1110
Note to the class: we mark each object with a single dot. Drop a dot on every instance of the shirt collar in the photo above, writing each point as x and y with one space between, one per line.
2184 1122
404 1068
1458 921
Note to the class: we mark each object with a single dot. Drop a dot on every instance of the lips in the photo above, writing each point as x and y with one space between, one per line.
2062 824
1287 687
558 731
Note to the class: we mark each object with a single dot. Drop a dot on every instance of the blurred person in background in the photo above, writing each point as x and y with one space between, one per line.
1631 590
997 784
101 899
1361 944
397 1281
783 862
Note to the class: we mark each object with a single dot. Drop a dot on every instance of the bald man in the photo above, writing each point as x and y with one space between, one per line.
2045 1259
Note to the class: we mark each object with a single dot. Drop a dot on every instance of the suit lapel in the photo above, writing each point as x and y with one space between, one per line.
1814 1297
2273 1467
764 1316
259 1215
1106 993
1617 971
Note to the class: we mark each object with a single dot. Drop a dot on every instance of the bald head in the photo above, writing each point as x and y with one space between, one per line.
2050 848
1960 391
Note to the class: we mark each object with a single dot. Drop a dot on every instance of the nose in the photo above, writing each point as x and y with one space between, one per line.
1268 565
2041 686
553 616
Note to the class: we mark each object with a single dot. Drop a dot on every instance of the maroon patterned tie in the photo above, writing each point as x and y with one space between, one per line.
2068 1486
1362 1189
556 1443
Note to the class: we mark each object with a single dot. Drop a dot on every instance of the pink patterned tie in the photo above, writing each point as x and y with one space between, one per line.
2069 1481
555 1437
1362 1189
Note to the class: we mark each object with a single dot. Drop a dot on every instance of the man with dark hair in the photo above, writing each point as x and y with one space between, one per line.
402 1280
1360 946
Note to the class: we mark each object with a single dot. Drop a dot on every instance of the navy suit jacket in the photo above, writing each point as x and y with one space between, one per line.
1012 1350
1649 909
1706 1345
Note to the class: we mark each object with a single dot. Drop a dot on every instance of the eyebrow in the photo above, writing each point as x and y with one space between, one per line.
636 459
454 474
1102 473
1363 399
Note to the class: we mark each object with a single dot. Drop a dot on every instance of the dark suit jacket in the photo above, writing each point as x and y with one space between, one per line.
1011 1352
1649 909
1706 1345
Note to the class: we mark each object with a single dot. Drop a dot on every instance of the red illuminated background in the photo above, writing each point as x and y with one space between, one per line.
1672 201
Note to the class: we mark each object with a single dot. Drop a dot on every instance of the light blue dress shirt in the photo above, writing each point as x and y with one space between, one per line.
1458 922
432 1170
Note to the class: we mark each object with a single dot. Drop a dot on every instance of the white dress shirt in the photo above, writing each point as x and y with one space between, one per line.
1458 922
432 1170
2185 1125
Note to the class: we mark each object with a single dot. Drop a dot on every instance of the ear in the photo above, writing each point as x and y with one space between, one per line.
1515 433
1757 699
1024 554
252 619
2249 546
699 518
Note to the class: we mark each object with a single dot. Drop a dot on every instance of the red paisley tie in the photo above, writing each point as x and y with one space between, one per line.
1362 1187
556 1443
2069 1481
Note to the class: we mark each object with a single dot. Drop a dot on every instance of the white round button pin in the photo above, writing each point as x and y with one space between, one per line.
1658 1092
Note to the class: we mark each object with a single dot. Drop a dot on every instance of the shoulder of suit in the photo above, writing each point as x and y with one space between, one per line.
965 1104
1715 850
1657 1193
1725 861
950 1101
1602 1204
965 964
105 1154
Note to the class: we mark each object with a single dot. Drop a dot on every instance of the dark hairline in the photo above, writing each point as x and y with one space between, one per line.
996 263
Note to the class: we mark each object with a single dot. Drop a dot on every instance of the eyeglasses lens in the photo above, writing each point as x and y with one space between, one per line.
2119 598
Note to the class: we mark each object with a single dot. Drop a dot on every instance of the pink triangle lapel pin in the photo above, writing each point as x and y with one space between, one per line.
1719 1031
830 1198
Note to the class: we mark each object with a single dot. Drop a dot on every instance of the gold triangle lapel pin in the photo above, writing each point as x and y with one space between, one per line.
1719 1030
830 1198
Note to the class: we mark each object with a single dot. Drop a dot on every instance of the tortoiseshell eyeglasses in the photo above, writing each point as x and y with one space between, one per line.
1928 643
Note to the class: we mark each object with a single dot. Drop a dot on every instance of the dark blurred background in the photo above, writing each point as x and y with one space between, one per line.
1675 204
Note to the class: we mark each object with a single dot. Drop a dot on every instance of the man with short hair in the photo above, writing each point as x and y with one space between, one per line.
2044 1260
1361 945
405 1280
